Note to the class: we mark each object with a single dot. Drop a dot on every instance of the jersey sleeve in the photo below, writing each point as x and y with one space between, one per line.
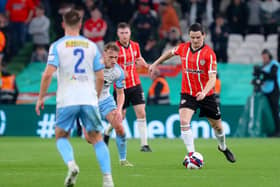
97 64
120 80
53 56
177 50
211 62
138 55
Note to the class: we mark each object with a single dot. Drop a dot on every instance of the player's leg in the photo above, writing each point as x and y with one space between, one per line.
186 131
138 101
92 122
188 106
115 118
65 121
210 109
142 126
107 133
220 135
109 129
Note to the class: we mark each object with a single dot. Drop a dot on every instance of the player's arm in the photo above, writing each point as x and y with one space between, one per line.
120 98
161 59
45 83
52 64
120 90
98 67
99 81
209 86
139 59
142 62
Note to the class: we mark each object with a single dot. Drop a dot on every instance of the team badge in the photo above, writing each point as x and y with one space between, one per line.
202 62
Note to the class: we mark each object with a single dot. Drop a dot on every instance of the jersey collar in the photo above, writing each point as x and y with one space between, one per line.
124 45
194 51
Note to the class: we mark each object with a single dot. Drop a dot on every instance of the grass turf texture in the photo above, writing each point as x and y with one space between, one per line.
33 162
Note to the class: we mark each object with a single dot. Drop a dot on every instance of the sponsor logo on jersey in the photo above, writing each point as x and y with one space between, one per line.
80 78
76 43
195 71
128 63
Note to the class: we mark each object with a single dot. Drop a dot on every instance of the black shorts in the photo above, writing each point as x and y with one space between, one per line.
208 106
133 95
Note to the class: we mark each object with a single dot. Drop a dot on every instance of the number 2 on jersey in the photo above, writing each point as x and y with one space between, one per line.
79 52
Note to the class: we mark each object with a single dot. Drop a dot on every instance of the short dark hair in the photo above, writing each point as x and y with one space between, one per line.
123 25
196 27
267 52
71 18
111 46
93 8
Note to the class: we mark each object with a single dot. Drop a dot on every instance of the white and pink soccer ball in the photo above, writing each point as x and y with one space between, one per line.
193 160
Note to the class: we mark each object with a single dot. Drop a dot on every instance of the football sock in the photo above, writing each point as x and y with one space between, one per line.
103 157
142 128
187 137
108 130
121 144
65 149
221 139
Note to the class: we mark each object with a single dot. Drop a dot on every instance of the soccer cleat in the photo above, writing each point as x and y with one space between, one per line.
106 139
71 178
108 181
125 163
228 154
146 148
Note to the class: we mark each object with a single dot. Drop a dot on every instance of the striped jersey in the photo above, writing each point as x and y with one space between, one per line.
76 59
126 60
196 66
111 75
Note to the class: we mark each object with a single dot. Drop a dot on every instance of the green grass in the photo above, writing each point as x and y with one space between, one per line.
34 162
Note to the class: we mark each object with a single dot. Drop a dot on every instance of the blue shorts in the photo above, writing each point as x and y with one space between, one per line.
106 106
66 117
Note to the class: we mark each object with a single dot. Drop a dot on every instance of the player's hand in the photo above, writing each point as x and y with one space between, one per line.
151 69
39 104
200 96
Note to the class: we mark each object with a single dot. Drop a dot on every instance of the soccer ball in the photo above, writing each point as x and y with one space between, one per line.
193 161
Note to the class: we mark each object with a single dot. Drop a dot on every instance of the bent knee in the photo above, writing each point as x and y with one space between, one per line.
119 130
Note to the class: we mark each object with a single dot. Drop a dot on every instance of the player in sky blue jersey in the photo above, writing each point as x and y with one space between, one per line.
80 80
113 73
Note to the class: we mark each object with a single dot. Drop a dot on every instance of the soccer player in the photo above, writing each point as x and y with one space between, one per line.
129 56
113 73
199 68
80 80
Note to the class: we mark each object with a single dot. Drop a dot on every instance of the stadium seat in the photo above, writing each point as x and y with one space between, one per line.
256 38
236 38
241 58
272 38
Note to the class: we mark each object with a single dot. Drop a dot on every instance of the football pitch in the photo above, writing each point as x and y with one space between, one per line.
35 162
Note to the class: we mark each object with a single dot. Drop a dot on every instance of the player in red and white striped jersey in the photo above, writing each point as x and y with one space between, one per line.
129 57
199 69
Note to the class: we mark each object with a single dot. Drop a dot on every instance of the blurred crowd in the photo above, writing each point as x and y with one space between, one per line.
158 25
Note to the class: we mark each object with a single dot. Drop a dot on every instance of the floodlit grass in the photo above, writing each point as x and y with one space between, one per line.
34 162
